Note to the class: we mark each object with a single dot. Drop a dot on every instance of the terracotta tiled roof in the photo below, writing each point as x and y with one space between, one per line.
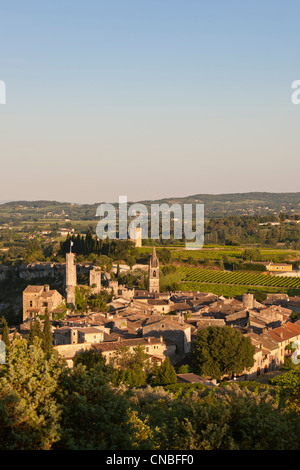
284 332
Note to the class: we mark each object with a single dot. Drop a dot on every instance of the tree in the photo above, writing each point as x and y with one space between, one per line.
47 336
131 261
224 418
163 374
5 332
222 350
29 414
35 330
131 367
94 415
92 359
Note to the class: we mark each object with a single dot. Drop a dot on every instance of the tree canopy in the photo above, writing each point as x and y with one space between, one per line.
222 350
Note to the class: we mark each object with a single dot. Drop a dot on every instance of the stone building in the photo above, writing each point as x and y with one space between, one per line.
71 335
95 280
156 348
37 300
154 273
135 235
172 330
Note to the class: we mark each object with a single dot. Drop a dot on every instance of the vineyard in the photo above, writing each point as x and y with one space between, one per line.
238 278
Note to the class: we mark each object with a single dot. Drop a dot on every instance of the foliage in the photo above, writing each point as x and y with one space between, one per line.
85 299
222 350
130 367
35 330
90 359
94 416
5 332
163 374
184 369
45 405
229 418
29 413
47 336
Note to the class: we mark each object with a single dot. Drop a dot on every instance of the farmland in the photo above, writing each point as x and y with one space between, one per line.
195 279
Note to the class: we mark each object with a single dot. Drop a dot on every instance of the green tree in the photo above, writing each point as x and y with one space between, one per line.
47 337
222 350
163 374
94 415
35 330
184 369
29 414
224 418
5 332
131 366
92 359
131 261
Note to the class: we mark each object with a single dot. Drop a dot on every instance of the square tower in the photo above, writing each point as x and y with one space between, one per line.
71 278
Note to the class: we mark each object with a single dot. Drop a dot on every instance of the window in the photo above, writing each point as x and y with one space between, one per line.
30 303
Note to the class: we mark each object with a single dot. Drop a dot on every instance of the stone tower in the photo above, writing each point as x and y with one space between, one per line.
248 301
154 273
71 278
95 280
136 236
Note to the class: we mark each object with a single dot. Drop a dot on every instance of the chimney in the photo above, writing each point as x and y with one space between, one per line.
119 338
161 339
149 339
46 288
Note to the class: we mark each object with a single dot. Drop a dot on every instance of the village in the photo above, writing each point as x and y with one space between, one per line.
165 324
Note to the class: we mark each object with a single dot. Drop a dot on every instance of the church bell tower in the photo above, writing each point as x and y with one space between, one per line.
154 273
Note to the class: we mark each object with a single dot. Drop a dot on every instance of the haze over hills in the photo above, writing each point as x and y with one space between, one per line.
215 205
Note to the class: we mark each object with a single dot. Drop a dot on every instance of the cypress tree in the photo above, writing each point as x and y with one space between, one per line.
164 374
5 332
47 336
34 330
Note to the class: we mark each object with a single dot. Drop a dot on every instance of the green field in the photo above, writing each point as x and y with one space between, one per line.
229 290
218 252
238 278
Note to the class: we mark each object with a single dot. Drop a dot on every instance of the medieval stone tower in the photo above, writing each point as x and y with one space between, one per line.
95 280
136 236
154 273
71 278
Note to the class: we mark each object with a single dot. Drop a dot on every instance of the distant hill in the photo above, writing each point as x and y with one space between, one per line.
220 205
216 206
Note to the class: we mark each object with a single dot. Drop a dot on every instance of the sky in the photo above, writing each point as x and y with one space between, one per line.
148 98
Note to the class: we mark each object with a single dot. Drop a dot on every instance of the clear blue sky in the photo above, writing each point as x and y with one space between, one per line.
148 98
